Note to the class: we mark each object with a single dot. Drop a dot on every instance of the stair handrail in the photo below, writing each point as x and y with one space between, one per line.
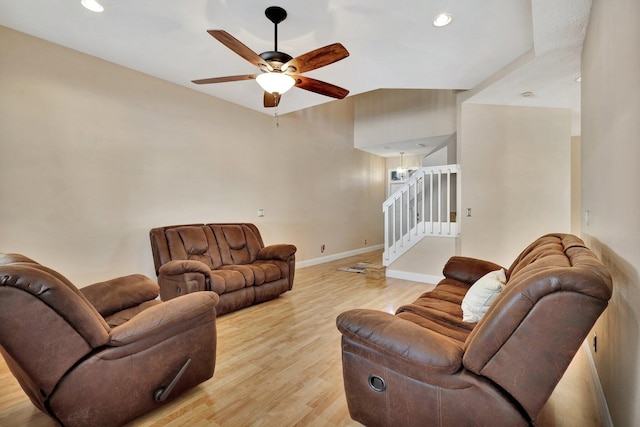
409 227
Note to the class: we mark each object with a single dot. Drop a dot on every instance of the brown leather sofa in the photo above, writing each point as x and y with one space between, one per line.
104 354
229 259
424 366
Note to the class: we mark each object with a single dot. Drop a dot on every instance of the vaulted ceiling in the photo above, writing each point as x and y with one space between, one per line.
392 44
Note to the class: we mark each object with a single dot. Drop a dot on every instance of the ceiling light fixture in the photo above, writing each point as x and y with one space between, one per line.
442 20
275 82
92 5
401 171
527 94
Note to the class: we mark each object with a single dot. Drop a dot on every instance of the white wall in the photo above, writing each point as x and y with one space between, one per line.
93 155
515 164
611 192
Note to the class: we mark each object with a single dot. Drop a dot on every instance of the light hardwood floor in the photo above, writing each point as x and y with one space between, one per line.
279 363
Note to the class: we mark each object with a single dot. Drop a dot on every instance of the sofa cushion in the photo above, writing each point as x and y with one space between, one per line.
549 247
481 295
439 310
223 280
271 271
121 293
237 243
122 317
440 322
193 243
257 273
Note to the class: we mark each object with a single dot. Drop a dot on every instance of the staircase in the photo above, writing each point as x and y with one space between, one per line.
426 205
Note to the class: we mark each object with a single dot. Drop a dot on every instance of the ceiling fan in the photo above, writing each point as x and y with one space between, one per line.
280 71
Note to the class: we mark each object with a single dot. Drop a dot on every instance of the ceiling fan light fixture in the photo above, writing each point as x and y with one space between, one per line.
92 5
275 82
442 20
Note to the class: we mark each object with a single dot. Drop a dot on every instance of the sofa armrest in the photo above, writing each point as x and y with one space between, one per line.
179 277
282 252
178 267
120 293
468 270
401 339
156 323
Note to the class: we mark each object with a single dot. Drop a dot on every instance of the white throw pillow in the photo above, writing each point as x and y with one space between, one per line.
481 294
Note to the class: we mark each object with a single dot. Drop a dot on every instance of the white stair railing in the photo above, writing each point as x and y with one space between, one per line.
426 205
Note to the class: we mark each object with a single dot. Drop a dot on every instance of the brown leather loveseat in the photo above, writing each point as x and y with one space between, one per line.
229 259
425 366
103 354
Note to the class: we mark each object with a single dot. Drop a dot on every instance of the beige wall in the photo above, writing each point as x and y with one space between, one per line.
515 164
576 173
424 261
611 192
93 155
392 115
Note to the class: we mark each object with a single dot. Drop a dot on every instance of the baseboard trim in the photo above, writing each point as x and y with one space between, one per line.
335 257
601 401
414 277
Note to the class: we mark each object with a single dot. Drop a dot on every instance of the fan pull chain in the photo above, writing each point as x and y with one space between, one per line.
276 97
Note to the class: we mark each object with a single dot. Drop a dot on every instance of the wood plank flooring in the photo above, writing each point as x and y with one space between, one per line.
279 363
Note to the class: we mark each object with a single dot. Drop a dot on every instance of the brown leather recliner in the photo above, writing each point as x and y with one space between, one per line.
425 366
103 354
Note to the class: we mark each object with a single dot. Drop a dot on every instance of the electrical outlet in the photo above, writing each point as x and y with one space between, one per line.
595 343
365 241
322 248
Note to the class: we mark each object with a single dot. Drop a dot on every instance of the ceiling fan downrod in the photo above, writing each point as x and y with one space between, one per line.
276 15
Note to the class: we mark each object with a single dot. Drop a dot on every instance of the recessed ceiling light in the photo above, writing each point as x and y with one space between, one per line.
526 94
442 20
421 144
92 5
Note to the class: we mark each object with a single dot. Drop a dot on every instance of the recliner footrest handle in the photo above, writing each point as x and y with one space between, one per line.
161 393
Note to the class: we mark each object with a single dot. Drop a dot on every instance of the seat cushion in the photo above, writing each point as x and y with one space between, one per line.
439 310
124 316
118 294
227 280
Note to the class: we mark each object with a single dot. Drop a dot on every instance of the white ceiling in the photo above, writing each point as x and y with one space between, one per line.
392 44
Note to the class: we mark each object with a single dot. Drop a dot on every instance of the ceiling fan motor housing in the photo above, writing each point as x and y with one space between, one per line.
277 59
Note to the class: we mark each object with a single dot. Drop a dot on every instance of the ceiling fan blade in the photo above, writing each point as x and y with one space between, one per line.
317 58
224 79
270 100
317 86
238 47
